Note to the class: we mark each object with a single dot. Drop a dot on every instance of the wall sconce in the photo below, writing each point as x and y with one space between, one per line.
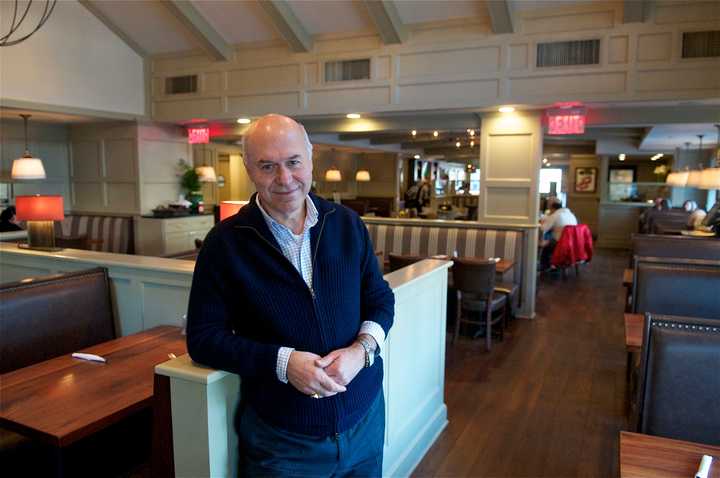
230 208
362 176
40 212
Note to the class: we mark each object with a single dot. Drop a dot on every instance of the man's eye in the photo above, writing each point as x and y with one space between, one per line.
266 167
294 162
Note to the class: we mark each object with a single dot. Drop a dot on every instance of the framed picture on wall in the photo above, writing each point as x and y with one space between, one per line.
585 180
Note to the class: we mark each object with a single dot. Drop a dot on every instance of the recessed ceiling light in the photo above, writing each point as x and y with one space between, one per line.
417 156
621 156
472 132
435 133
506 109
413 132
457 145
353 116
472 144
244 120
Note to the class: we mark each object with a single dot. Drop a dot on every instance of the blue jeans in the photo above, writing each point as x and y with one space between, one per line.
266 450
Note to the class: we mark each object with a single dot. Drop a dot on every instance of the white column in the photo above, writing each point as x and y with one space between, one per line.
510 158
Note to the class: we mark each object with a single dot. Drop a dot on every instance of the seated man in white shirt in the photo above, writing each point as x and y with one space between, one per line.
552 225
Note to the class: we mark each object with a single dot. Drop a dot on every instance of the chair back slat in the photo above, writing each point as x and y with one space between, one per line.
399 261
474 277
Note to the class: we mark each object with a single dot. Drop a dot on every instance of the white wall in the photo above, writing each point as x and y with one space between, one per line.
458 67
73 61
48 142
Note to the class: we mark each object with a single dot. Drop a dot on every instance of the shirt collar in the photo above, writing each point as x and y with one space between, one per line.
311 215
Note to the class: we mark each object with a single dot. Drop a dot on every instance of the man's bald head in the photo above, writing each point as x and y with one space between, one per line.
271 127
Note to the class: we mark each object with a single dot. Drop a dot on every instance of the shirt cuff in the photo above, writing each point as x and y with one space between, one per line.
282 363
374 330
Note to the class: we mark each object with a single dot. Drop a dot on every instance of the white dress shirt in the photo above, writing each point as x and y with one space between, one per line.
296 248
557 221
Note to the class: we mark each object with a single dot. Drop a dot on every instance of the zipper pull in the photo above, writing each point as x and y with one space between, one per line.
312 292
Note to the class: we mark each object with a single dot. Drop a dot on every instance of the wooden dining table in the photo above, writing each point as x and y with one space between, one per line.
634 332
65 399
647 456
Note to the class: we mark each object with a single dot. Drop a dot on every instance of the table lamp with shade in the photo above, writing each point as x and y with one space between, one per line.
40 211
333 175
206 174
230 208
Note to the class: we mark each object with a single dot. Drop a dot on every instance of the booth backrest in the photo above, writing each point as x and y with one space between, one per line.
425 241
680 383
686 287
659 221
685 247
105 233
54 315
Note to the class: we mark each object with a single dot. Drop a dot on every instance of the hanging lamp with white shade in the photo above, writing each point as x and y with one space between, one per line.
711 176
27 166
333 175
362 176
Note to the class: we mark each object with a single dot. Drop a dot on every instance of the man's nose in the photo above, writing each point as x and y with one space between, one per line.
283 176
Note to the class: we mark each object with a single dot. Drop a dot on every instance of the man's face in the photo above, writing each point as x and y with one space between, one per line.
279 165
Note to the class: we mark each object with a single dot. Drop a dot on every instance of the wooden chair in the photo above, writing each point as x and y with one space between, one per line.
475 284
398 261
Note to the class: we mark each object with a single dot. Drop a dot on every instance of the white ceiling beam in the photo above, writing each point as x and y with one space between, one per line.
501 16
134 46
635 11
288 24
387 21
211 40
645 137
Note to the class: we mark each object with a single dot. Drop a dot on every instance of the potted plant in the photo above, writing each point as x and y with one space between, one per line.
190 182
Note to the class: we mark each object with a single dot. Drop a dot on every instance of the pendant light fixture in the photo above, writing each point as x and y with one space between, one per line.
27 167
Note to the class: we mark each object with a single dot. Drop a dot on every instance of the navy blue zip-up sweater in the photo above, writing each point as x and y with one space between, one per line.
247 300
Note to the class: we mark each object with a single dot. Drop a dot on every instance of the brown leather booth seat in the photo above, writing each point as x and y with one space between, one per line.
104 233
49 316
657 245
680 384
657 222
686 287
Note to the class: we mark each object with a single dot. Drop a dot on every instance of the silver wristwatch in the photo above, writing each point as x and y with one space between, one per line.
369 352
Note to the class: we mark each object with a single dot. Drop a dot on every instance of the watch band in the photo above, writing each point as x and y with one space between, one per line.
369 353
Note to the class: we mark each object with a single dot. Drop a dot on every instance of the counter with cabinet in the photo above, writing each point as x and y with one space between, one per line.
163 236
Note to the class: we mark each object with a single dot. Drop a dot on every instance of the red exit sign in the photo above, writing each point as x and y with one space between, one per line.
566 120
198 135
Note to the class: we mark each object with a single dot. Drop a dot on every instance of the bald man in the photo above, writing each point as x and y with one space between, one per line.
287 293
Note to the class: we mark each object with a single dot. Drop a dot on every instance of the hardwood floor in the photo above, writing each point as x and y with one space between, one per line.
548 401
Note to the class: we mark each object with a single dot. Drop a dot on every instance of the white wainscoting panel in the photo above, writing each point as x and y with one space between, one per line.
146 291
414 386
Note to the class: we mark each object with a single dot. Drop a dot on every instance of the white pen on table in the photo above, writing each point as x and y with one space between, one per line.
704 468
90 357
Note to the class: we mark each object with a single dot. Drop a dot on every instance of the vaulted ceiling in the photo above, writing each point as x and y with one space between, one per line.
155 27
